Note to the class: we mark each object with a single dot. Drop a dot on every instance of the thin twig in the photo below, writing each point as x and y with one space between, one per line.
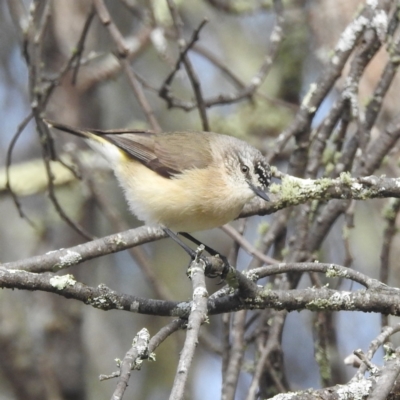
273 344
122 54
81 45
51 188
197 316
331 271
10 150
184 49
390 215
387 331
132 360
236 355
65 258
246 245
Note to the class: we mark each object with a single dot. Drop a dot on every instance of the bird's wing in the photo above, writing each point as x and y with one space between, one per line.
167 154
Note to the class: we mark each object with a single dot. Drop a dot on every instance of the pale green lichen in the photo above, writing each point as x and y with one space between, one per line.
274 170
257 299
314 207
268 287
263 228
161 13
68 259
291 395
338 300
251 275
394 58
337 156
293 190
117 239
290 188
356 390
248 367
264 293
231 279
274 188
61 282
105 302
333 272
285 251
386 161
318 304
389 212
390 353
329 168
306 100
322 358
345 178
324 183
327 155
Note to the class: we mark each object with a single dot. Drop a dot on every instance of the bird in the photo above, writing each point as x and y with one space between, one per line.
182 181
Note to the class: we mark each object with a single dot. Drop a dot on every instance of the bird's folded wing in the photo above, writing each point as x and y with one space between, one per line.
167 154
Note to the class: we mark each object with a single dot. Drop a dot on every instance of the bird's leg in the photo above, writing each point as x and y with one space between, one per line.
210 251
175 238
192 253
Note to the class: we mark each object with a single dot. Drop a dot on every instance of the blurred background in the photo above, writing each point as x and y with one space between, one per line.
54 348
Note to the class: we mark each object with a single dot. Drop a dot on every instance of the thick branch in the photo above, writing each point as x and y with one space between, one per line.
295 191
384 300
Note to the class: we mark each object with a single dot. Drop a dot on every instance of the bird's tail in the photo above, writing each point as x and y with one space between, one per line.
94 139
70 129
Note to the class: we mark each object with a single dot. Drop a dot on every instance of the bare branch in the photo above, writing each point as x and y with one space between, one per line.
198 315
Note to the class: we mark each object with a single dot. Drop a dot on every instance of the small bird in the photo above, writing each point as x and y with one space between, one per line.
183 181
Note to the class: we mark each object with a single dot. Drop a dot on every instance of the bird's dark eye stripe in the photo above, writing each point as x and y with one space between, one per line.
263 172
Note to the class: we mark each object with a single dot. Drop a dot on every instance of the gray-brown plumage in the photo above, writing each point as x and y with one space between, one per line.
166 154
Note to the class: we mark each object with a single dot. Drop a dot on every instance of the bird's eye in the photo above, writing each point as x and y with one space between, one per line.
244 168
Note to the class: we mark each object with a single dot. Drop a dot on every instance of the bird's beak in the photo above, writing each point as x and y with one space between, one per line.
259 192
